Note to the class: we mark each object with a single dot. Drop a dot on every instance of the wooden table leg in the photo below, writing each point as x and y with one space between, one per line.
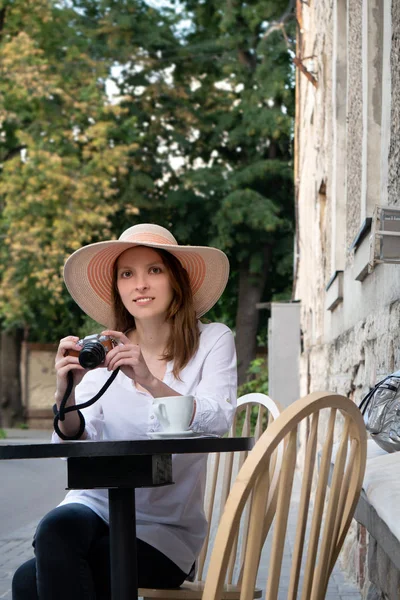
123 560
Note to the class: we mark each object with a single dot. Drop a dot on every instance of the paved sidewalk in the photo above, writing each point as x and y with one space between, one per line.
26 436
16 547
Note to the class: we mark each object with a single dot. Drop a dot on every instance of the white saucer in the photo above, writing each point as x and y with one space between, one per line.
160 435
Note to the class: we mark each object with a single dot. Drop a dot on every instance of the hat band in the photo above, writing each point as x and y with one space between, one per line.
147 238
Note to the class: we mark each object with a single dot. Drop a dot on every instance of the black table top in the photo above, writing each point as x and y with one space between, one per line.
124 448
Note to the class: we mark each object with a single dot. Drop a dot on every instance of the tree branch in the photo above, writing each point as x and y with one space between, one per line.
13 152
2 17
2 21
279 25
303 69
247 59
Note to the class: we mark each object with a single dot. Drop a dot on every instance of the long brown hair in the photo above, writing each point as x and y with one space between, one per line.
184 338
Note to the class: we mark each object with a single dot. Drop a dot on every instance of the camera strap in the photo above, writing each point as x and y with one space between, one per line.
60 414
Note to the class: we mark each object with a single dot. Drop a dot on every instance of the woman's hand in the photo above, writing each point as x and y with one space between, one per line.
64 363
129 358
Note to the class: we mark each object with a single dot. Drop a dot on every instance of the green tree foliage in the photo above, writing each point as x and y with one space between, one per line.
246 95
205 85
60 164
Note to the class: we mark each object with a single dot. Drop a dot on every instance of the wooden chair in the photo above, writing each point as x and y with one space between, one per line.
328 497
254 413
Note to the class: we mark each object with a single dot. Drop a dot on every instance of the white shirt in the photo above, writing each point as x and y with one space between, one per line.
170 518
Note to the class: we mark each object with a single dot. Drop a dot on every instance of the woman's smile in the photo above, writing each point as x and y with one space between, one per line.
144 300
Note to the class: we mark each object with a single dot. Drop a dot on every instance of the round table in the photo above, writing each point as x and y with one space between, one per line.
120 467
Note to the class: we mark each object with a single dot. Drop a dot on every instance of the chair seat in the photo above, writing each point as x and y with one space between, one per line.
193 591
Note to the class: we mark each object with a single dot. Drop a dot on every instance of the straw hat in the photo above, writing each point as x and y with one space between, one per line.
88 271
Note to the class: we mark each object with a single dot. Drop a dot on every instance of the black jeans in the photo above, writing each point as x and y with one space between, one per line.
72 560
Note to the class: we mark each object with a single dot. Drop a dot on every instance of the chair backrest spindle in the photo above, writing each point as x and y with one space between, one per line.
311 451
325 505
250 420
285 486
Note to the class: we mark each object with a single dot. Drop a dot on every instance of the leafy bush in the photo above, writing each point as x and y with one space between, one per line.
258 378
258 382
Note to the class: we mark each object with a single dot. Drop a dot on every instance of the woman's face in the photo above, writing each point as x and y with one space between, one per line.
143 283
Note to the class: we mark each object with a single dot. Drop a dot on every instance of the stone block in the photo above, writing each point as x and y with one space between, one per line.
382 572
374 594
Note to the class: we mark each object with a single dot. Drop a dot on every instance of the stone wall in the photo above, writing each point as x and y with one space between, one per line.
355 343
354 119
358 357
384 577
315 158
394 152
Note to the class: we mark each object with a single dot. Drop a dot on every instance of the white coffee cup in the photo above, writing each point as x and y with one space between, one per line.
174 412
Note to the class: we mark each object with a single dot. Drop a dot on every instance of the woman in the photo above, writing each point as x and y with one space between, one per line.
149 292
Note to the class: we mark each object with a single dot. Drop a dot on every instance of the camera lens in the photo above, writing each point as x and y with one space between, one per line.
92 355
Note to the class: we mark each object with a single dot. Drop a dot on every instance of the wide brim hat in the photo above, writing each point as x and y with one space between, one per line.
88 272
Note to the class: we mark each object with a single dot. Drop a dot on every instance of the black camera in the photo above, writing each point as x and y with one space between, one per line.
94 350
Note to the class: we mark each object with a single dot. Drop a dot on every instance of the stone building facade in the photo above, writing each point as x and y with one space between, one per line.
347 143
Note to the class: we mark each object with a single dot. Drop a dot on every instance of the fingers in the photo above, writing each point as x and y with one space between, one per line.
68 363
65 362
65 365
67 343
130 353
121 337
121 361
